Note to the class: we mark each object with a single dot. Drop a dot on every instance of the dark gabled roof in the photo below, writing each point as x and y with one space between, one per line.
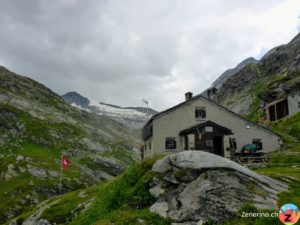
207 123
214 103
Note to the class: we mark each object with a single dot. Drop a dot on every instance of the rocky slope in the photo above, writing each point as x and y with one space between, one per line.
36 127
132 117
228 73
275 75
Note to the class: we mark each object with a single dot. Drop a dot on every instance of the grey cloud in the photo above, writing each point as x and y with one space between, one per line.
122 51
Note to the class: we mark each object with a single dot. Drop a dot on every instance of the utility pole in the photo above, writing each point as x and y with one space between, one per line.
147 103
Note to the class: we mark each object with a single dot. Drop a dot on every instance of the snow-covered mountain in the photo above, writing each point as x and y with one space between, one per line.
132 117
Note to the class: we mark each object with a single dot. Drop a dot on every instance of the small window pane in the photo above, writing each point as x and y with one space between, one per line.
200 113
170 144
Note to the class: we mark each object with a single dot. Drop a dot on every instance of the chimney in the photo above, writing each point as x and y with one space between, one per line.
188 96
211 92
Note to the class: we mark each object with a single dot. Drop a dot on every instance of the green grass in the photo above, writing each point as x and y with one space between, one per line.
121 152
61 212
124 200
39 153
129 216
255 92
19 186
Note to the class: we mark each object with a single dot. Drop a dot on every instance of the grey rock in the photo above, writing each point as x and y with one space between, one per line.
82 194
156 191
43 222
11 172
198 160
115 167
34 219
161 208
20 158
21 169
53 173
105 175
28 159
93 145
37 172
11 167
211 188
82 207
162 166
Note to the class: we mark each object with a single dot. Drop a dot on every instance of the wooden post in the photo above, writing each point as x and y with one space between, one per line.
275 111
61 172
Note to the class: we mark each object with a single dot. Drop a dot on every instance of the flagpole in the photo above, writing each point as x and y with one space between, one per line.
61 172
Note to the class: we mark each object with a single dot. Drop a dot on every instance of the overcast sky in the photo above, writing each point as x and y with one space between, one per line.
124 50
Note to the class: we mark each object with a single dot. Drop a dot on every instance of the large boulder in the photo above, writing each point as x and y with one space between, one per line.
193 186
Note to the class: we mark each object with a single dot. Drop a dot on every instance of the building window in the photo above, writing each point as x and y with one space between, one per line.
298 104
209 129
232 143
170 143
200 113
258 143
209 143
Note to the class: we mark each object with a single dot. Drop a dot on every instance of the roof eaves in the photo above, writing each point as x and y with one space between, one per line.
239 116
205 124
213 102
172 108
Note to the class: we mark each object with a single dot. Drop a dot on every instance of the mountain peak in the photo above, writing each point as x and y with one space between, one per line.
246 62
132 117
75 98
296 39
228 73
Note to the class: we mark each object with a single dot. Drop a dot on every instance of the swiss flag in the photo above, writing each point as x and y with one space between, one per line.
65 162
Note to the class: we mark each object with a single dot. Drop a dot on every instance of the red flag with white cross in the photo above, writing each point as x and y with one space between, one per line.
65 162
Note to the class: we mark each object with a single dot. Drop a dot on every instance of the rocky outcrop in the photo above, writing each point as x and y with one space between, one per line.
194 186
74 97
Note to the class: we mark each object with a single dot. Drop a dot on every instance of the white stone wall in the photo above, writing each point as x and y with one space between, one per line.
293 104
171 123
148 151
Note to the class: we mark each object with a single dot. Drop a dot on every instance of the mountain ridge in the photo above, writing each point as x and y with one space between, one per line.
228 73
132 117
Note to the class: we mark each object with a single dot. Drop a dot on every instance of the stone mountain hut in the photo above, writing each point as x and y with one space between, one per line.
199 123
